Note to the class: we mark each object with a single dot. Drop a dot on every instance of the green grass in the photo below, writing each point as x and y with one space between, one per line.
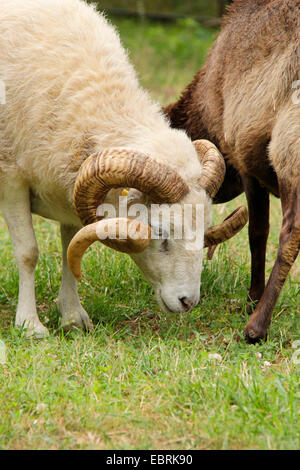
143 379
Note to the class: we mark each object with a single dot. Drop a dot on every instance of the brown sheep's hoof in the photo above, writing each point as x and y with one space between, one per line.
254 336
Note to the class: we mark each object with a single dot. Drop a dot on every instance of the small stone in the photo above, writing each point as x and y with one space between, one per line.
40 407
215 357
267 364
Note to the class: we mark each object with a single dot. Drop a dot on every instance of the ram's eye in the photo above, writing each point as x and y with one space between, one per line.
164 246
159 232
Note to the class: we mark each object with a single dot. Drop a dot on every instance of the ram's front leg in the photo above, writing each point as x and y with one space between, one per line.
73 314
16 210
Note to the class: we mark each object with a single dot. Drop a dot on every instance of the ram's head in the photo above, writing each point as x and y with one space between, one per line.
168 252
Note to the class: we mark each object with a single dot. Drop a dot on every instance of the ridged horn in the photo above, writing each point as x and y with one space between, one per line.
125 235
226 230
214 168
117 167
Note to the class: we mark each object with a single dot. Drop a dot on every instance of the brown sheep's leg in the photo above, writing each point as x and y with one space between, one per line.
258 205
289 246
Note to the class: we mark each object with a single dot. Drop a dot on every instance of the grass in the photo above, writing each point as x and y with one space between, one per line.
142 379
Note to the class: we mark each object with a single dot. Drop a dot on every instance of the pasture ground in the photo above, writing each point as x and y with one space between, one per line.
142 379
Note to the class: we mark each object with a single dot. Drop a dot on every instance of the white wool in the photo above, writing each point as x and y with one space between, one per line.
71 91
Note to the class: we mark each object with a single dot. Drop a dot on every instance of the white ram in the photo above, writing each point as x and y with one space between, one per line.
75 118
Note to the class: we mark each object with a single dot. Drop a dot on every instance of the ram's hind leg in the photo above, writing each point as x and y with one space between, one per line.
15 206
73 314
289 245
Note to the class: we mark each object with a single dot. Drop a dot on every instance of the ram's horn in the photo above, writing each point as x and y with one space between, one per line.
214 168
226 230
125 235
117 167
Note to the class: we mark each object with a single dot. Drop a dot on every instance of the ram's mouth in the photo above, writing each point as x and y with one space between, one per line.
166 307
163 304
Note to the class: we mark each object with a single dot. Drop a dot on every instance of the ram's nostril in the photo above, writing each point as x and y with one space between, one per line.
186 303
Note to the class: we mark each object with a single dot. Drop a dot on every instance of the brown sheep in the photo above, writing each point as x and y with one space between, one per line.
245 100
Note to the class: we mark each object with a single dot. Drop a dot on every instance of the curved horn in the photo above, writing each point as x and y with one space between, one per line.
116 167
125 235
226 230
214 168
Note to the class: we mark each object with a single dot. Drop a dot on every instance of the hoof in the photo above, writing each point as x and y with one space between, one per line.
37 331
71 325
77 320
253 335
